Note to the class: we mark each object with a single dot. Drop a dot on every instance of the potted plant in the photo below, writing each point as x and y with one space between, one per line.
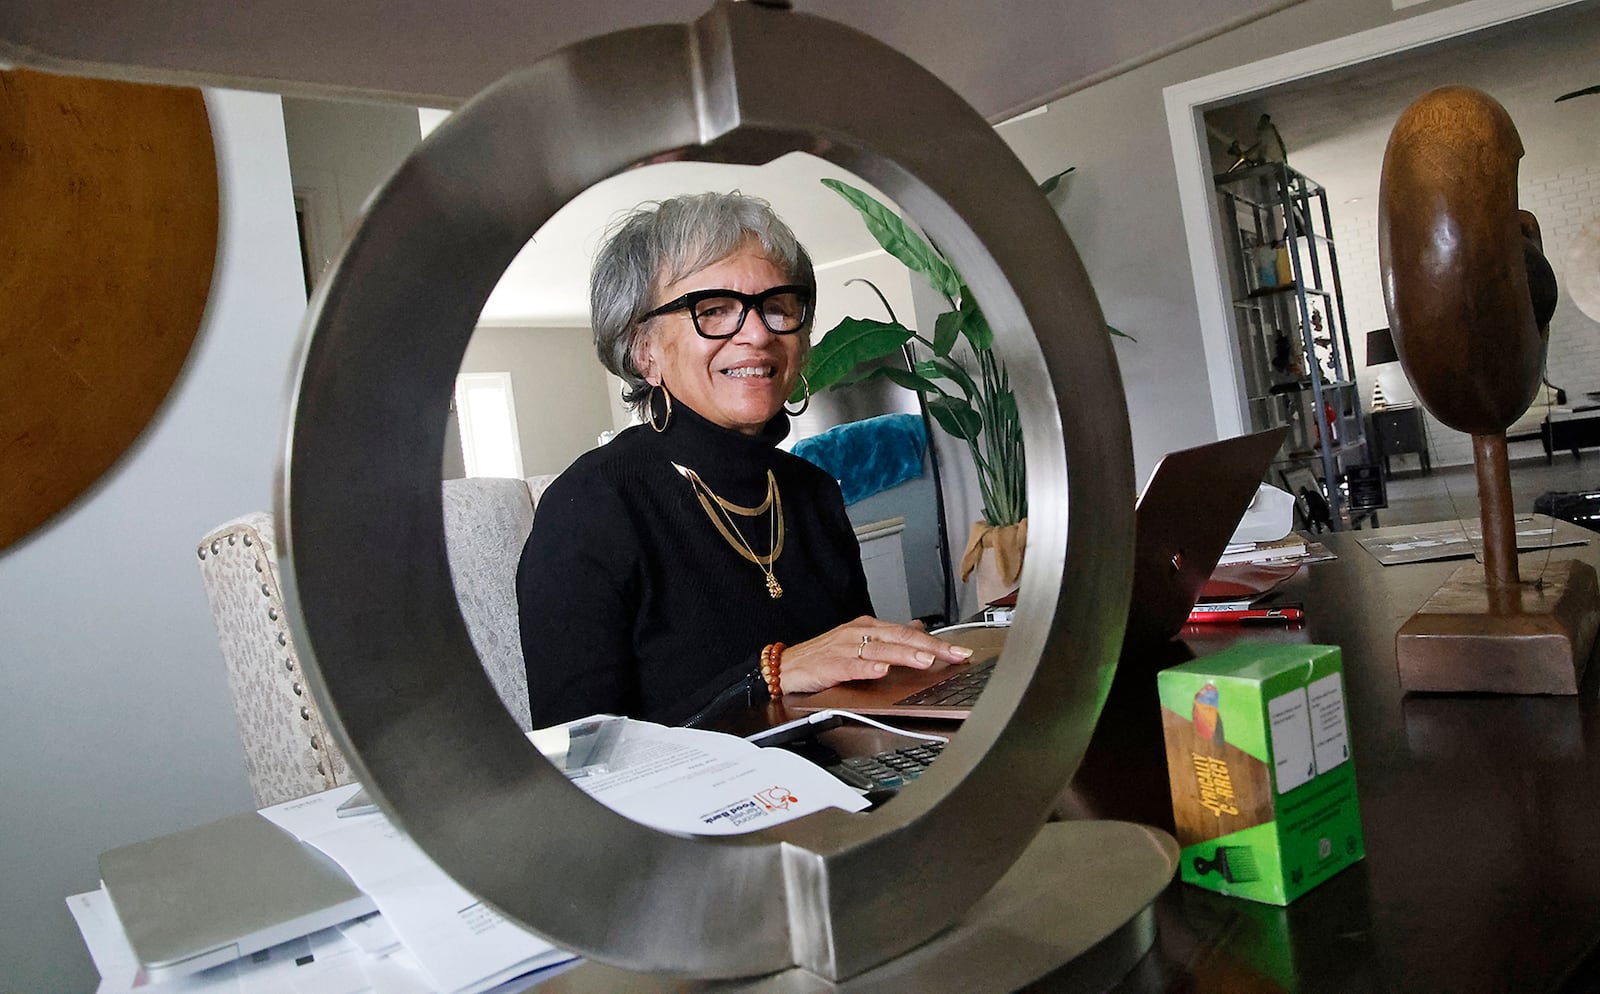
963 385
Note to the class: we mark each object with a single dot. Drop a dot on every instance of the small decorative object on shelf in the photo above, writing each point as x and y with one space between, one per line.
1290 322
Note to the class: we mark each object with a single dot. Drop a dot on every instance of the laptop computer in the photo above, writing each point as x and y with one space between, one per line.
1189 509
209 895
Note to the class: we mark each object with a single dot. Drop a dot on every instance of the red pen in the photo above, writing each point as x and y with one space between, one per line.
1268 614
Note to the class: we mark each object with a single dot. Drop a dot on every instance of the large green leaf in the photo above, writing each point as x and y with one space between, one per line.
947 369
911 381
973 324
898 239
956 416
862 372
1048 186
852 342
946 329
1006 404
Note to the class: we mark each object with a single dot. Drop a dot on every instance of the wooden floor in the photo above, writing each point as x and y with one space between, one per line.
1452 491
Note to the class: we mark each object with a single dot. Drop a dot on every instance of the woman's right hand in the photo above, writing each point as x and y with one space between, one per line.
862 649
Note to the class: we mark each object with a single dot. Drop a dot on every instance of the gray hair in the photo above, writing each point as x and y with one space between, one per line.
662 242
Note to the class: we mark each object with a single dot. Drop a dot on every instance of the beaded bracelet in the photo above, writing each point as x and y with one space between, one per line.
771 667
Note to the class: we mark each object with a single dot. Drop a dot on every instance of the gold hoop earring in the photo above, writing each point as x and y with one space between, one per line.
650 407
803 404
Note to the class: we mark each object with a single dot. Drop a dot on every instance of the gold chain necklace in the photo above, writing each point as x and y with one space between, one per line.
719 510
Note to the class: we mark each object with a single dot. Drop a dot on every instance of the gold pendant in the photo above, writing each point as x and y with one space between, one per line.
774 589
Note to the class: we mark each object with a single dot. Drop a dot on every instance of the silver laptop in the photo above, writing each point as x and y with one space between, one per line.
1189 509
209 895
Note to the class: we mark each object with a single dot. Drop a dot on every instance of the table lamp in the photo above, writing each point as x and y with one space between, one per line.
1380 352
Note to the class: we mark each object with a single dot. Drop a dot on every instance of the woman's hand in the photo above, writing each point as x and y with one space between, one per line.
862 649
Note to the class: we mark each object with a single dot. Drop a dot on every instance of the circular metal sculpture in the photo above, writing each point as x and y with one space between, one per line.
832 893
109 195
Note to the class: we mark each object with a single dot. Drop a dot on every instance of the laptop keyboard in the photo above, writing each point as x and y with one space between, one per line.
887 770
960 690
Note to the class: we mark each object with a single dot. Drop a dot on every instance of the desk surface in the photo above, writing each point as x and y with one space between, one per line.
1483 849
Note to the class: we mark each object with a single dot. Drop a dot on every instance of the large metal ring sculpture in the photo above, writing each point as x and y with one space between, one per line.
833 893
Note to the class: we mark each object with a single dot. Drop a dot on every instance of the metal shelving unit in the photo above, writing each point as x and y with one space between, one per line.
1289 321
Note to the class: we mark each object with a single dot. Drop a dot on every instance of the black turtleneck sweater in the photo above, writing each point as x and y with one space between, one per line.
631 600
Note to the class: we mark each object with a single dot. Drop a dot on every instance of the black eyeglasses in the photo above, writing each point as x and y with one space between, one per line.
720 314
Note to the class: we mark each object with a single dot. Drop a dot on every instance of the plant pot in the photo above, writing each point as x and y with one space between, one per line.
993 558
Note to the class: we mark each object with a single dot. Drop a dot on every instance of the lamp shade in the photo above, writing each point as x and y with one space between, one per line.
1380 348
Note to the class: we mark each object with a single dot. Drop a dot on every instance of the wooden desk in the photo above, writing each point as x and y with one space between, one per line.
1483 850
1483 847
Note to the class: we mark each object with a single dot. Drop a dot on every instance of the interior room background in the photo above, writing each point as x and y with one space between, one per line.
1336 127
120 726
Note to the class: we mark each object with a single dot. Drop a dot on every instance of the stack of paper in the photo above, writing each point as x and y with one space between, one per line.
708 783
362 956
462 945
431 935
1292 546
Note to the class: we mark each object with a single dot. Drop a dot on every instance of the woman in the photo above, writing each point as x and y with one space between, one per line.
690 563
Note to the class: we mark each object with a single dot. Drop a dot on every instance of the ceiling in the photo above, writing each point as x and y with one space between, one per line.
548 283
436 53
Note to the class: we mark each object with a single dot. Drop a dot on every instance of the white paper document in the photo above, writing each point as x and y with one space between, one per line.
1292 758
707 783
461 943
1308 732
325 962
107 941
673 779
1329 743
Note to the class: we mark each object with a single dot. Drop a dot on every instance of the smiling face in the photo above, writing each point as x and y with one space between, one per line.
739 382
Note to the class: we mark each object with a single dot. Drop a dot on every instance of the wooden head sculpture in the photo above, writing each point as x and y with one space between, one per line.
1455 265
1470 296
1450 244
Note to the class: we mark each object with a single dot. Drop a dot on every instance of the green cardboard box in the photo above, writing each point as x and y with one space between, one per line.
1263 785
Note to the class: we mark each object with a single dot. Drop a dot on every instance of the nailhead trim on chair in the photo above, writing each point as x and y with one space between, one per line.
288 750
287 747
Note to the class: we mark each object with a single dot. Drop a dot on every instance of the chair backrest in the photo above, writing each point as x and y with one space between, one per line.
486 523
288 750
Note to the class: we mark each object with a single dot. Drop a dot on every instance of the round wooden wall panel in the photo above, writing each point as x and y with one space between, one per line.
108 201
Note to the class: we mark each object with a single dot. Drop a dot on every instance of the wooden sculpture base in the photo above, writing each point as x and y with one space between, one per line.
1460 641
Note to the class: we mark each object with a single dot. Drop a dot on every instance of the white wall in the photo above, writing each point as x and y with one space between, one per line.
338 154
838 298
1563 202
118 724
1558 180
1124 214
1337 127
561 390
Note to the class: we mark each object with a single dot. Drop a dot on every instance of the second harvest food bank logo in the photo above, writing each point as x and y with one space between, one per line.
758 805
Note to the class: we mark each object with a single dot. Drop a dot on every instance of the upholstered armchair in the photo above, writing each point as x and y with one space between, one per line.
288 750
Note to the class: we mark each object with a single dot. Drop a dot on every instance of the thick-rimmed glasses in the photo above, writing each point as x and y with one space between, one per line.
719 314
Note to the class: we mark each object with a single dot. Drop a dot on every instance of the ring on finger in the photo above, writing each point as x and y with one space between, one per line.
862 647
